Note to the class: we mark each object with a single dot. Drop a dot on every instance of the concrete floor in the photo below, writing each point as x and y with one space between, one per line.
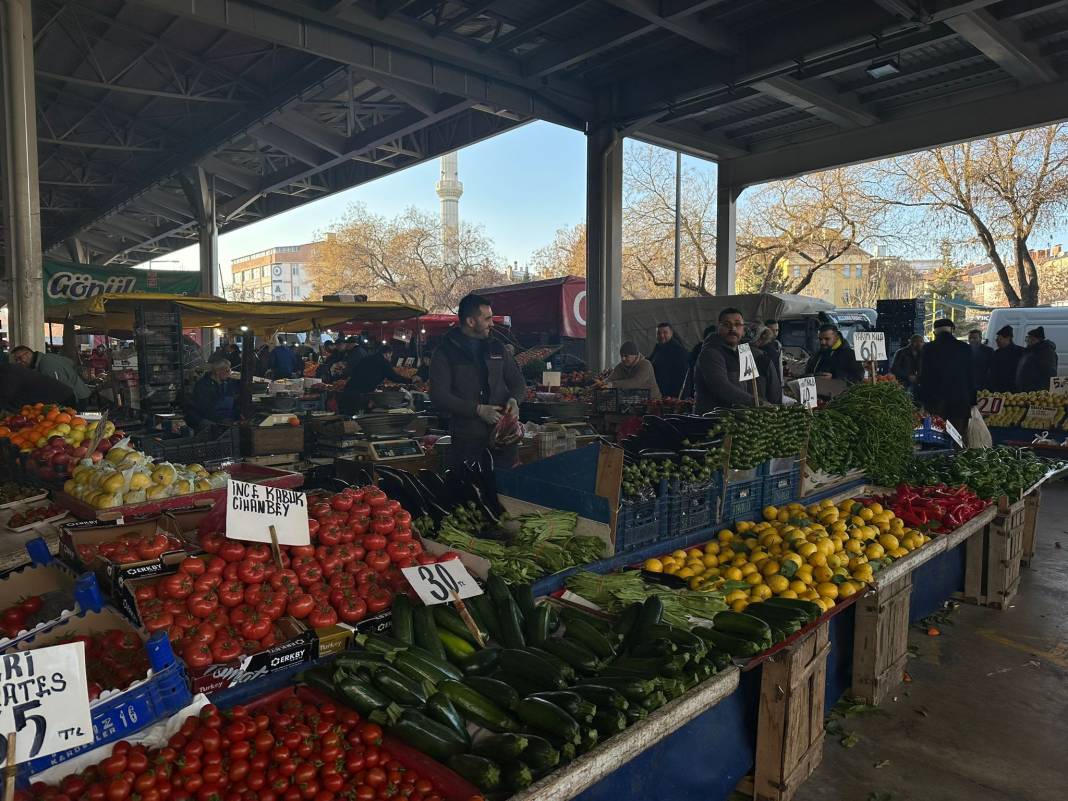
985 717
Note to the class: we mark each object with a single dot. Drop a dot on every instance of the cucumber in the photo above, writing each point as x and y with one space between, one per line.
735 646
440 708
361 696
601 695
540 754
537 626
811 609
482 609
581 658
476 707
549 719
525 663
743 625
455 648
448 619
402 689
402 619
426 632
582 632
500 747
480 662
511 622
481 772
434 739
435 669
496 690
517 776
524 596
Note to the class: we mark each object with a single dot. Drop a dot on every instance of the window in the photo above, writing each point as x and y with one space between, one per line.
858 273
797 271
845 271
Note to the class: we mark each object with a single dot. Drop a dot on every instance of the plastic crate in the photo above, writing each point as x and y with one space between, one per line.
160 318
777 466
120 715
743 500
620 401
201 448
928 436
782 488
690 509
638 524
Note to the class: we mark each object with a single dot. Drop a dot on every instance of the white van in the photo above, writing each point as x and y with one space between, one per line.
1054 319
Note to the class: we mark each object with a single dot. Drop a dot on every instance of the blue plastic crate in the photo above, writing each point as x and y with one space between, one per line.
778 466
119 716
782 488
743 500
929 436
689 509
638 523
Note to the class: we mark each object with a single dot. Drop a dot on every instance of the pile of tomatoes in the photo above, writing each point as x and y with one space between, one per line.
22 615
20 519
131 547
114 659
290 751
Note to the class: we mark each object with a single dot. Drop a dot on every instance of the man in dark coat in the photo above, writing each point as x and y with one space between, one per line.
691 362
981 355
835 359
716 373
370 373
1004 362
906 365
1039 363
946 386
475 381
670 361
214 396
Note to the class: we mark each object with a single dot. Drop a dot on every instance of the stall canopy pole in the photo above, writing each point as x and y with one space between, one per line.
726 234
678 223
604 248
248 362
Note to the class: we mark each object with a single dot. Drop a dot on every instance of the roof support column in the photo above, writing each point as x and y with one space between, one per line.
23 202
604 246
726 235
199 187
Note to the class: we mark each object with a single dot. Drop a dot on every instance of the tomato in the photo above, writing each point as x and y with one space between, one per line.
153 547
137 760
351 610
197 655
300 606
322 615
255 626
232 551
157 621
117 790
310 574
378 560
382 523
320 510
203 604
376 777
365 792
371 733
401 535
225 649
208 582
426 559
373 542
251 571
114 764
375 497
341 502
145 592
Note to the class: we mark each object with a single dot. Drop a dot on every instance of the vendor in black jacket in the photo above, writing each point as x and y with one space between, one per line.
834 359
214 396
946 386
368 374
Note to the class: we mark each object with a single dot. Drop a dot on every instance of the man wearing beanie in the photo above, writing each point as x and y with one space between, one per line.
633 371
1039 363
1004 362
946 384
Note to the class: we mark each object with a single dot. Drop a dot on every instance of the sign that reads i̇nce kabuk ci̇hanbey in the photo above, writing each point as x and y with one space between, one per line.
251 509
44 700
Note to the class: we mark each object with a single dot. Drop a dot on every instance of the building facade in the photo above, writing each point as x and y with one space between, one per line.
844 282
278 273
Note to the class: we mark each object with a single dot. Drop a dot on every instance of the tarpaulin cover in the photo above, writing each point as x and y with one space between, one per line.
554 306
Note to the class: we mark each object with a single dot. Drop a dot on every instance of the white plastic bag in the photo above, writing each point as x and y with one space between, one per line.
978 433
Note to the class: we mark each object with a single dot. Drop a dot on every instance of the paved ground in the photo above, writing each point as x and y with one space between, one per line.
985 717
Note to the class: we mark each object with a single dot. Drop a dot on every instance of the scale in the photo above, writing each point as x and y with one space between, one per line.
370 447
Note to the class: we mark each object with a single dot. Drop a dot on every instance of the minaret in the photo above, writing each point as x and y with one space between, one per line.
449 190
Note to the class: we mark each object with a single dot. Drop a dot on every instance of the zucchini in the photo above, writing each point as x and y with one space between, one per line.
481 772
742 625
379 643
636 712
476 707
770 615
729 643
482 609
521 684
434 739
449 619
626 621
633 688
321 679
354 661
810 609
568 752
565 669
402 618
546 717
657 647
500 747
540 754
650 666
517 776
682 638
574 653
361 696
582 632
511 622
454 648
609 722
480 662
652 612
654 701
572 703
496 690
720 660
440 708
589 740
436 669
524 596
402 689
604 697
525 663
572 613
426 632
497 589
537 626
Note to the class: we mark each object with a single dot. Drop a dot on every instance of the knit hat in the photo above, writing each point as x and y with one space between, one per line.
945 322
1037 333
1005 331
628 348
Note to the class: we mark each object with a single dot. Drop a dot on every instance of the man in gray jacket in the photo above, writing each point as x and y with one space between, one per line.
716 376
475 381
54 366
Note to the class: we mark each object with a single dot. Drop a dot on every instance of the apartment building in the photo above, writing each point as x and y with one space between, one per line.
278 273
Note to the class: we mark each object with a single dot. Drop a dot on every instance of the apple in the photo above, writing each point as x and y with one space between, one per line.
56 441
97 456
79 452
104 446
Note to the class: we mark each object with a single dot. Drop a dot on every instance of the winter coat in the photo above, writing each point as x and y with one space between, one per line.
946 386
981 364
840 362
62 370
640 376
670 362
1037 367
906 363
1004 362
716 377
19 385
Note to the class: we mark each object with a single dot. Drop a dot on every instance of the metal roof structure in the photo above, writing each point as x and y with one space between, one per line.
277 102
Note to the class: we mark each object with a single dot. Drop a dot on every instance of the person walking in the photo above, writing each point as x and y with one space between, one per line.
284 362
717 370
1038 365
946 385
981 354
1004 362
634 372
670 361
906 365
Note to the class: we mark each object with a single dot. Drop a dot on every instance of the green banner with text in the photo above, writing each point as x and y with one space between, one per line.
65 282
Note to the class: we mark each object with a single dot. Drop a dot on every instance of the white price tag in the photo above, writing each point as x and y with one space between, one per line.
252 508
436 583
747 367
550 378
954 434
990 405
870 346
1058 385
806 392
45 701
1041 415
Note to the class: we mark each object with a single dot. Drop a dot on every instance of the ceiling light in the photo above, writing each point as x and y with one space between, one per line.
884 69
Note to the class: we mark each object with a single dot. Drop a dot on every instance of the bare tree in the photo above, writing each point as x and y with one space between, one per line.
887 278
1002 189
565 255
1053 280
402 259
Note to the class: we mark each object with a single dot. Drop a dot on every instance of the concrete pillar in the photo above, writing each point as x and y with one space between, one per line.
726 235
604 247
23 202
199 188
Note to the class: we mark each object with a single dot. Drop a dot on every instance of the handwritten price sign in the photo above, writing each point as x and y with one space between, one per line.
747 367
806 392
870 346
252 508
1058 385
436 583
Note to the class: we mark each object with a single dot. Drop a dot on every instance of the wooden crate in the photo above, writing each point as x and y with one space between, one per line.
992 559
881 641
790 718
267 440
1032 502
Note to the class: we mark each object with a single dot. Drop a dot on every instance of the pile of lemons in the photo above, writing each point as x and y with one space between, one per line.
818 553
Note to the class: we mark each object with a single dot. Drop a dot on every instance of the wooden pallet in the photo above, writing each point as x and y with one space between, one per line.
790 718
992 560
1032 502
881 641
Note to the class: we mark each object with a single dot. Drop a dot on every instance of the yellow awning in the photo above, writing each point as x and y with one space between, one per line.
116 313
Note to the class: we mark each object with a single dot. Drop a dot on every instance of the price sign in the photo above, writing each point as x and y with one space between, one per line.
870 346
550 378
991 405
1058 385
251 509
806 392
747 367
436 583
954 434
1042 415
45 701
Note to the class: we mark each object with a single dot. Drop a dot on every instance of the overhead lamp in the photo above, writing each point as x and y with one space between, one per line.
422 330
243 328
884 69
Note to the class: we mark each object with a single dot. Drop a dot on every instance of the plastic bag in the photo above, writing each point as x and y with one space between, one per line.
508 431
978 434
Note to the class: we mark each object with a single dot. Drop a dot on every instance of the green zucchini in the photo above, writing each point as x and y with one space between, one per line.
787 624
480 662
568 752
625 622
525 663
521 684
511 622
476 707
588 741
572 703
482 608
546 717
354 661
517 776
742 625
720 660
379 643
434 739
321 679
609 722
402 618
455 648
426 631
581 658
652 613
402 689
601 695
603 625
361 696
812 610
735 646
540 754
524 596
440 708
500 747
633 688
448 619
683 639
537 626
581 631
654 701
496 690
565 669
497 589
636 712
481 772
435 669
648 667
657 647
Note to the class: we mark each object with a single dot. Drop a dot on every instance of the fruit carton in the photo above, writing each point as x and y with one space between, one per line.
299 647
59 594
339 637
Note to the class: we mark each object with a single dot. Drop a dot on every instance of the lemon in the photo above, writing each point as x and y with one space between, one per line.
793 557
679 555
854 547
826 604
761 591
863 573
770 513
808 595
695 553
818 559
734 595
726 535
697 582
847 588
806 550
672 569
710 560
798 586
778 584
888 541
749 568
754 579
653 566
826 589
733 574
711 572
788 594
740 560
770 567
712 548
865 514
739 605
874 551
668 561
725 555
876 508
685 573
897 553
822 573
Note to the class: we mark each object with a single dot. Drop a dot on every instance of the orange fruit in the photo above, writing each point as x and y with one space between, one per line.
63 417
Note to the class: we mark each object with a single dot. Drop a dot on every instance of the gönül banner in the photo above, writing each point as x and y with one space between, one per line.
65 282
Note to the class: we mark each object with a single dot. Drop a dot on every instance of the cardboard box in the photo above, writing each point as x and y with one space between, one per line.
300 646
338 638
62 595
